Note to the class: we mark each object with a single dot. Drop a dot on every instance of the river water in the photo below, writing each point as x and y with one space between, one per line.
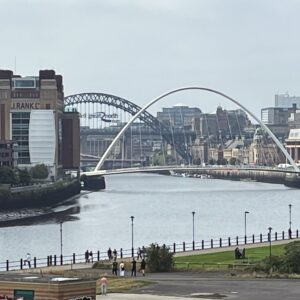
162 207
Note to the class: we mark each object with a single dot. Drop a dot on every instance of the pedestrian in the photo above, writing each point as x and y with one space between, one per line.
91 256
103 284
143 266
138 253
122 269
115 254
115 268
28 260
133 267
86 256
109 254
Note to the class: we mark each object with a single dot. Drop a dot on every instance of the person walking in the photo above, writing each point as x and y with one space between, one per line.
103 284
133 267
122 269
143 266
138 253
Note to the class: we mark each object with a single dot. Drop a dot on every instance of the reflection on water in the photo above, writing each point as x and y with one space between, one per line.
33 216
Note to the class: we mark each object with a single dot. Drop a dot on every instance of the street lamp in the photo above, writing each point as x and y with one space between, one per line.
61 242
132 249
270 241
245 213
193 213
290 222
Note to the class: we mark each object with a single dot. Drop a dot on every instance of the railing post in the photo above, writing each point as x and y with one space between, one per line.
237 240
229 242
54 260
74 258
98 254
61 260
34 262
276 236
183 246
21 263
253 238
7 265
48 261
121 253
211 243
297 233
220 242
174 248
260 238
202 244
283 235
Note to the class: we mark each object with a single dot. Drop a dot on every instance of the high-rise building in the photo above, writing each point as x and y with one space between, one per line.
31 114
286 101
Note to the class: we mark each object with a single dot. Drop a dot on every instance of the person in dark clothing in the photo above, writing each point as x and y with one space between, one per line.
143 266
133 267
109 254
115 268
86 256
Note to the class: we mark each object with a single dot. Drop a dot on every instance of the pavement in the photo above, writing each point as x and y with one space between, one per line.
204 285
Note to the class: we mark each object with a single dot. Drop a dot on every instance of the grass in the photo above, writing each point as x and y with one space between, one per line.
226 258
121 285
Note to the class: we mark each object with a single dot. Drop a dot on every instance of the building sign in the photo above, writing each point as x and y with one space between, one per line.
25 105
24 294
101 115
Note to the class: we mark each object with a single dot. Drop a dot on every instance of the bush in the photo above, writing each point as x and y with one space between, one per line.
159 258
291 259
39 172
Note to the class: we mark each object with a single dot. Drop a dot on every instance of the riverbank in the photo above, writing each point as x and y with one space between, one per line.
37 196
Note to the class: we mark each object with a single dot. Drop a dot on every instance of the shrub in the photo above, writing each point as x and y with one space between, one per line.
159 258
39 172
291 259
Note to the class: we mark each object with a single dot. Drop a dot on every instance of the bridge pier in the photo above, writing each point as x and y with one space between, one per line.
292 180
93 183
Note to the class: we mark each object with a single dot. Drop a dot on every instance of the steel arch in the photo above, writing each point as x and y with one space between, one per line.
132 109
277 142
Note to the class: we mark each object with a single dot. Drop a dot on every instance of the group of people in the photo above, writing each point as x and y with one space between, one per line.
88 255
238 253
133 267
112 255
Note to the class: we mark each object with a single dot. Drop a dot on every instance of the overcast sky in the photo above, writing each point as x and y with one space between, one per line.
138 49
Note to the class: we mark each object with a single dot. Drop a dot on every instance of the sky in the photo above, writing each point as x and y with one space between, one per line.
139 49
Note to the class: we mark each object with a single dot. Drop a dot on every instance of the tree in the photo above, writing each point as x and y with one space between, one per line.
24 176
7 175
159 258
39 172
197 161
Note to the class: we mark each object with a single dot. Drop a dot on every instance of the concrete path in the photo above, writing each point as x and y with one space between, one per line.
143 297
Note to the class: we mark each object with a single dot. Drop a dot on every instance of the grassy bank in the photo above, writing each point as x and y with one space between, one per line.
224 260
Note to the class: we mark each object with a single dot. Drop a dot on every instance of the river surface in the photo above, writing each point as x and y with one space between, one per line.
162 207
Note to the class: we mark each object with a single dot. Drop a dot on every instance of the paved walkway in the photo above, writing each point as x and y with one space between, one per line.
146 297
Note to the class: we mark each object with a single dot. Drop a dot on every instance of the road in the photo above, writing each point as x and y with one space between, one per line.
212 286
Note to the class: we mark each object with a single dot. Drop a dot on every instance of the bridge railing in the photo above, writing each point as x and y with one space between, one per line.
59 260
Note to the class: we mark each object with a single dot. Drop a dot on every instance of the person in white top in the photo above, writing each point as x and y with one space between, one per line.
122 269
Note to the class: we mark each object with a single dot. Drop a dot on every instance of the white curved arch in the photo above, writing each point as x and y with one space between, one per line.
287 155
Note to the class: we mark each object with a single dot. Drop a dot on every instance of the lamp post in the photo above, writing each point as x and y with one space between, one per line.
193 213
270 241
132 249
245 214
290 222
61 242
